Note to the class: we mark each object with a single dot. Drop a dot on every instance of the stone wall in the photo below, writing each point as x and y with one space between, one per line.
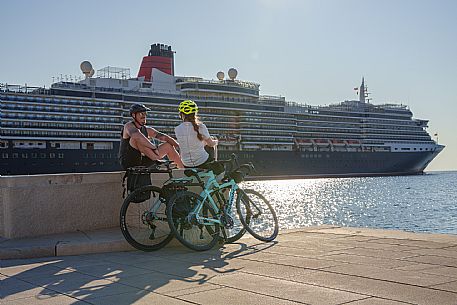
60 203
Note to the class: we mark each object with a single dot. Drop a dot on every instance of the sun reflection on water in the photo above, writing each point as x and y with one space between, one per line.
300 202
414 203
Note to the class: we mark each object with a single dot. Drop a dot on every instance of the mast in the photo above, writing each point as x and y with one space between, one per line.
362 91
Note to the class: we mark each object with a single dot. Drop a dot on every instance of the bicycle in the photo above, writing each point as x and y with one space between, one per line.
198 225
143 219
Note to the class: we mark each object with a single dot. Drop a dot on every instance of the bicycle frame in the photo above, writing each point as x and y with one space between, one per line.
210 187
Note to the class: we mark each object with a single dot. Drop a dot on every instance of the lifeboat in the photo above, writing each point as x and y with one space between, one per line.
321 142
303 141
228 140
353 142
336 142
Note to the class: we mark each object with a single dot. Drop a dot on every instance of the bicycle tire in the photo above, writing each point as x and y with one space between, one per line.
254 205
238 230
198 237
139 226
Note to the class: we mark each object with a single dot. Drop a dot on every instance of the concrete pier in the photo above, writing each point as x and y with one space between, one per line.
318 265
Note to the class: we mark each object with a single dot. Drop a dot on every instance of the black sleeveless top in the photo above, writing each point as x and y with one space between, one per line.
129 156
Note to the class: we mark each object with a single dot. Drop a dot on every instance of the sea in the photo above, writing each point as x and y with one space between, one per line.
419 203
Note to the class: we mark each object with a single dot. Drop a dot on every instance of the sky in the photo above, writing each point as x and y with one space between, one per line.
312 52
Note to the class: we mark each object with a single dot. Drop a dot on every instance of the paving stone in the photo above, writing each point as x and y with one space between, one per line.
319 265
431 269
434 260
290 260
13 289
28 271
378 288
450 286
80 285
366 260
376 301
399 276
167 284
264 268
46 300
142 297
447 252
226 295
284 289
109 269
412 243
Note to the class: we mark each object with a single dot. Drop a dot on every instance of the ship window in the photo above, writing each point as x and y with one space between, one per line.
34 155
15 155
25 156
5 155
52 155
42 155
61 156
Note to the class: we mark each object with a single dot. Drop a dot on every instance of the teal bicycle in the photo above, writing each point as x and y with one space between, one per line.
143 214
200 220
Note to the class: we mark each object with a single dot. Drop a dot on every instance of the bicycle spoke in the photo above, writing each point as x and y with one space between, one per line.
185 225
144 224
263 223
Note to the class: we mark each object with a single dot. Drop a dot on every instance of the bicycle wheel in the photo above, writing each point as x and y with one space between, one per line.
197 232
263 223
144 225
233 227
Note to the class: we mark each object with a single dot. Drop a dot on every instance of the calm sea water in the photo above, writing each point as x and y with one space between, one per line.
422 203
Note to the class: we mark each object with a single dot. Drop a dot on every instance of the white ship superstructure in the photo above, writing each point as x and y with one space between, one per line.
75 126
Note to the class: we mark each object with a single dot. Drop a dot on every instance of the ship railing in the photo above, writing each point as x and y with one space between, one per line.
20 88
76 86
235 82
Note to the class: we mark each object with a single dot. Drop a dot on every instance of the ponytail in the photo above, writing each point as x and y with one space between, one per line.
195 121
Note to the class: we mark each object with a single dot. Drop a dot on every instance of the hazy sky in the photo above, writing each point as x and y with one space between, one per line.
313 52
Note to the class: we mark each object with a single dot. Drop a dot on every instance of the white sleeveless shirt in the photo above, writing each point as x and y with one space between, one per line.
191 149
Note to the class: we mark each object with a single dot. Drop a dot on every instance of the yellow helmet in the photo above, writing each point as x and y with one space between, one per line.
188 107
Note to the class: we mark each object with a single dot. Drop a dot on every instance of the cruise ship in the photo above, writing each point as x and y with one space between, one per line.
75 126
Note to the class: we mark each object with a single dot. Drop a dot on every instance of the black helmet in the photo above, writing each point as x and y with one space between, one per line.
138 108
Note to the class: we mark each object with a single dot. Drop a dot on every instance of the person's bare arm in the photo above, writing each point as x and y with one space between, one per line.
211 141
135 133
153 133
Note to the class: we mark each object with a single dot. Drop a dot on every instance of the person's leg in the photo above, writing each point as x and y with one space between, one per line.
146 148
142 144
166 149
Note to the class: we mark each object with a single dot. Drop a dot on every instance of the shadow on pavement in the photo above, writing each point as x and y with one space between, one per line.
122 277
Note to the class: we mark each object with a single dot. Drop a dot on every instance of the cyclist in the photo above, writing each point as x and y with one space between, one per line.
193 136
136 149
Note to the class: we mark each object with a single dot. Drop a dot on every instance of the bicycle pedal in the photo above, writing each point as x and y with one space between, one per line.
221 240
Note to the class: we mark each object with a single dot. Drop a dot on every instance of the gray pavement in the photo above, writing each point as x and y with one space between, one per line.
319 265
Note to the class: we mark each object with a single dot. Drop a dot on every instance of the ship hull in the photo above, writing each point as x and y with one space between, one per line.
268 164
279 164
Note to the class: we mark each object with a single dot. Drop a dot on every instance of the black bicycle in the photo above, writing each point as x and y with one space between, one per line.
143 218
